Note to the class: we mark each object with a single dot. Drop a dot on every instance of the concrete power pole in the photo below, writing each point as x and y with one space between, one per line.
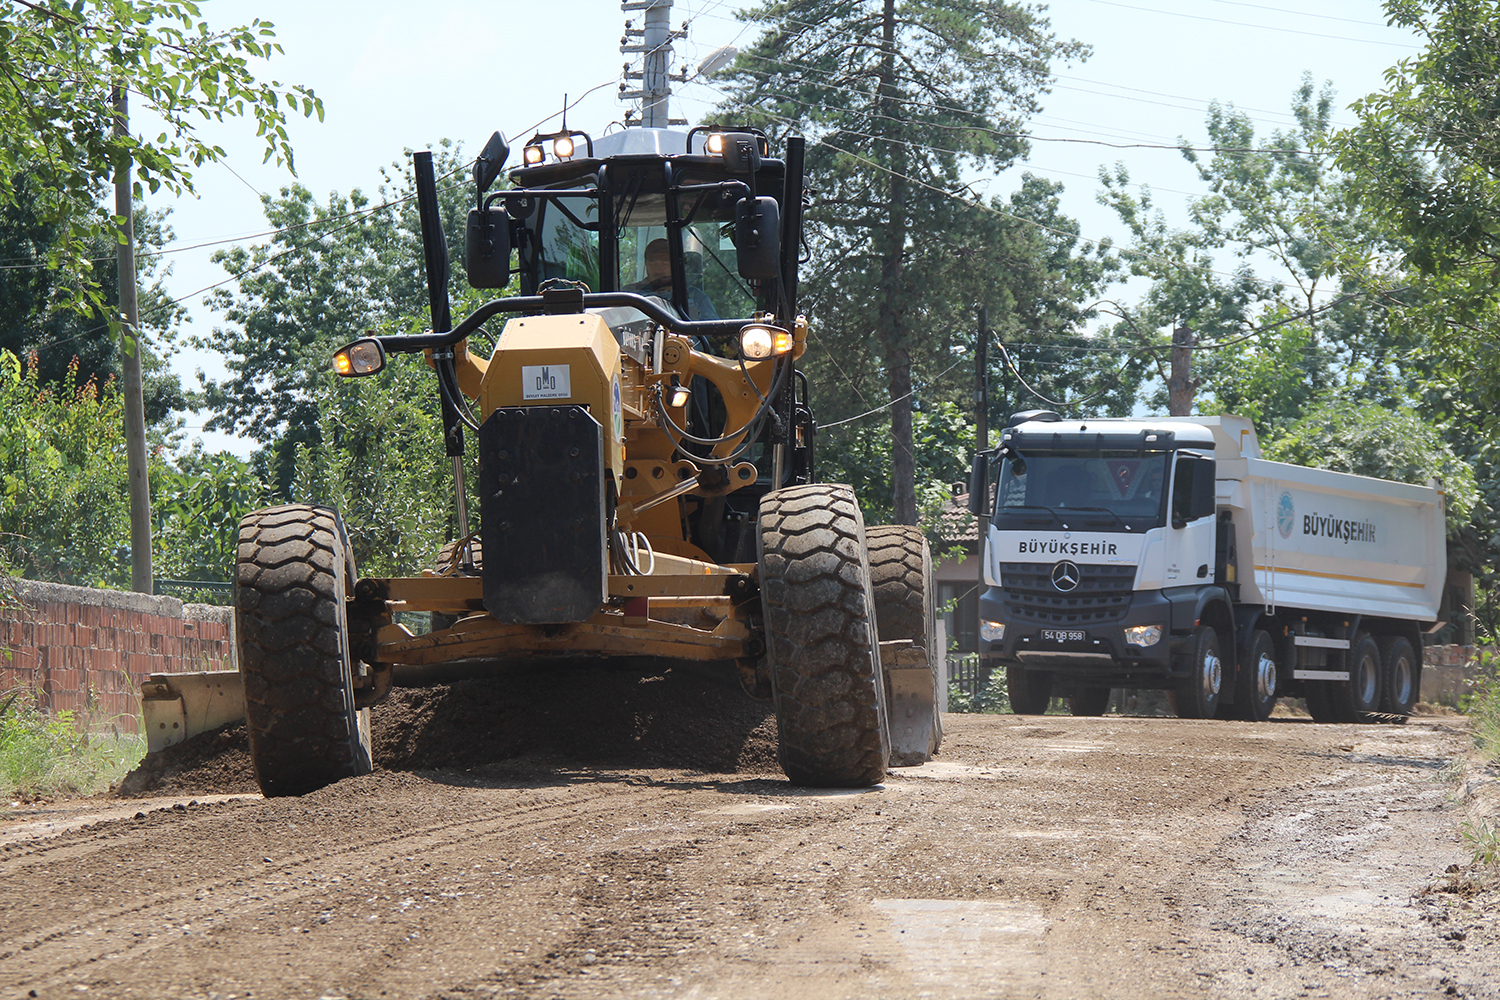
1181 385
655 46
135 416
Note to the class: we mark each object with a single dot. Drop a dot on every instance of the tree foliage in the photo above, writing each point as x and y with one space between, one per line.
60 61
1425 156
1267 274
898 101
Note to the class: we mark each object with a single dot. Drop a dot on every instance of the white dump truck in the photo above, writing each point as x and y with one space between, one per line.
1166 553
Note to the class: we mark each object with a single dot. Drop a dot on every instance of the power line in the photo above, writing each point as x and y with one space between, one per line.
1249 24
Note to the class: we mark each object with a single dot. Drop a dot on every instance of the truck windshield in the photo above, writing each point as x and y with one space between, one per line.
1091 489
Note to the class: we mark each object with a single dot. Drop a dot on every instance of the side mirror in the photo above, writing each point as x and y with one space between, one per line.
1193 490
741 152
365 356
979 484
488 164
487 248
757 238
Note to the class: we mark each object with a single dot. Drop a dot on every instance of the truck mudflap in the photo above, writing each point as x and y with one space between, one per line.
541 474
175 707
911 705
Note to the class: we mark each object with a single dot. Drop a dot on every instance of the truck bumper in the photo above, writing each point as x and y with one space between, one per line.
1102 656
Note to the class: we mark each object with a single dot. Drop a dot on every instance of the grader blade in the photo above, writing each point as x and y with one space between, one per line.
175 707
911 702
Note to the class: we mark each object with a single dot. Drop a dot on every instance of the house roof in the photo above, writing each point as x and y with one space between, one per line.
955 525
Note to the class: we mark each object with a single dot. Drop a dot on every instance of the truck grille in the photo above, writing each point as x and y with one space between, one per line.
1102 595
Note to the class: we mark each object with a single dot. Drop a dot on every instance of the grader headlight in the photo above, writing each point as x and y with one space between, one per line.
762 340
533 154
562 147
363 357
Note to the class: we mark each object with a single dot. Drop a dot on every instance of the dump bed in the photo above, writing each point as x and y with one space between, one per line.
1330 541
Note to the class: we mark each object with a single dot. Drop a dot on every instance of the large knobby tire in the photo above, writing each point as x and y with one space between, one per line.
1088 699
1030 691
906 602
1401 677
292 583
1197 693
1256 685
821 639
1358 698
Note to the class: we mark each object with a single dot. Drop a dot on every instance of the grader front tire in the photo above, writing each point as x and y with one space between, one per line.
291 624
821 638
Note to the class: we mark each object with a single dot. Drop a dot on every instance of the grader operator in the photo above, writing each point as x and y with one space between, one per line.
647 488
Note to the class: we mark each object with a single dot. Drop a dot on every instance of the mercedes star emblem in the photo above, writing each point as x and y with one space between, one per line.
1066 576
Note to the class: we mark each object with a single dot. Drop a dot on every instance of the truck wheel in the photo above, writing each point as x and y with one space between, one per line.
901 575
1198 692
1030 691
821 638
1358 698
1256 688
1088 700
1401 677
291 589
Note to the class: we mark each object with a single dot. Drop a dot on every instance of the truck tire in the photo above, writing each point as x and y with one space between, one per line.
1401 679
1030 690
1089 700
1358 698
821 639
905 607
1198 691
1256 687
291 623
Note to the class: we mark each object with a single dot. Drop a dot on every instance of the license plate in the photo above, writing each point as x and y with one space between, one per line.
1064 635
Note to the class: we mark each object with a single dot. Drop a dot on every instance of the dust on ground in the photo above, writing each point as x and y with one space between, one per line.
632 837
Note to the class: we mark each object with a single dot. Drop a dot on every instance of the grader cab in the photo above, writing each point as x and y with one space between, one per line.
646 474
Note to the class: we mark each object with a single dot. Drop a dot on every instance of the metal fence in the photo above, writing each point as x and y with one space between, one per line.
965 673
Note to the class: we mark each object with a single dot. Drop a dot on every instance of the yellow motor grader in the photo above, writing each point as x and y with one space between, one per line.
646 487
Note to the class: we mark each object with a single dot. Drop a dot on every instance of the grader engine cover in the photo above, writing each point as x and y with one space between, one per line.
541 470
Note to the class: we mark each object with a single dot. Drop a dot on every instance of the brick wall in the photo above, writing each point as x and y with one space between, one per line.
88 650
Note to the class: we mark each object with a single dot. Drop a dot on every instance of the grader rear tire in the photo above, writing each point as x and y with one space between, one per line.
821 639
905 608
291 623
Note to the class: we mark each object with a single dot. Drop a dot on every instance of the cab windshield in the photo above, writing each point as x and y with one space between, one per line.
1101 489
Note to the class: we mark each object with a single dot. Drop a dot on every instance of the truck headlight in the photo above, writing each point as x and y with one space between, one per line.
1143 635
991 631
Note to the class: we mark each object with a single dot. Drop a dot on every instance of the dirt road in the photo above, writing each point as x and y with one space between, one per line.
1038 857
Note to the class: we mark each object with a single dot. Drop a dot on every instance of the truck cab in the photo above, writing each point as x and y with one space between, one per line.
1100 552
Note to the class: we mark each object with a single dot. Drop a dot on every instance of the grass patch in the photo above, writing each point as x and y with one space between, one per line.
44 756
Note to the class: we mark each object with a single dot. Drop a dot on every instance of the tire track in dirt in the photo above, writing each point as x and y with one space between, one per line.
25 957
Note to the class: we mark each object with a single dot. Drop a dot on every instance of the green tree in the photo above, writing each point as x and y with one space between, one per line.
1295 317
331 272
65 339
902 101
60 60
1425 156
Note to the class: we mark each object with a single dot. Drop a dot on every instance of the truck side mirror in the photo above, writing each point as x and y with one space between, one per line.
979 484
487 248
757 238
1193 490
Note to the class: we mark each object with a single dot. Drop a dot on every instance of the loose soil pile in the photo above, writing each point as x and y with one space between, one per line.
560 716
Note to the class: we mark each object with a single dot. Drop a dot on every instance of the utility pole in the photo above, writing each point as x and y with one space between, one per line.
655 46
982 444
135 415
1181 385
